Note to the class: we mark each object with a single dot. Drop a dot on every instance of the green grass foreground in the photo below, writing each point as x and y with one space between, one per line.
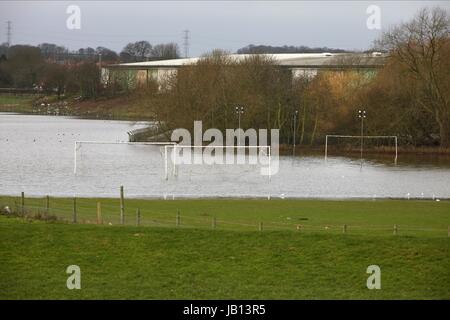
232 261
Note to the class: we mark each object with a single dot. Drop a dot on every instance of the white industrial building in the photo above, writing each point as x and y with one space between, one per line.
300 64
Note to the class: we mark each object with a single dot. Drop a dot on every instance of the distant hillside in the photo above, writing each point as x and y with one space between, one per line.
250 49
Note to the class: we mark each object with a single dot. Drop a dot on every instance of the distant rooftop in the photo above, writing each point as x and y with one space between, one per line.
292 60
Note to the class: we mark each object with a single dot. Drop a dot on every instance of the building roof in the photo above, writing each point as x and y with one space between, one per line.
291 60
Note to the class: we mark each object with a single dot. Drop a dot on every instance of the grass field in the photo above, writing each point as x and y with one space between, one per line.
233 261
124 107
19 103
421 218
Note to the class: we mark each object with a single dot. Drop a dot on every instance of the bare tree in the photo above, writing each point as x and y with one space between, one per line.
108 55
136 51
166 51
422 47
55 77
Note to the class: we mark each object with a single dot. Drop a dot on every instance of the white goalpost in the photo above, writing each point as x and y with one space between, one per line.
171 160
258 152
78 144
361 138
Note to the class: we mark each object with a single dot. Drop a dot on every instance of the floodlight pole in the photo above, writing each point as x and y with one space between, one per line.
396 151
295 124
362 116
239 111
100 65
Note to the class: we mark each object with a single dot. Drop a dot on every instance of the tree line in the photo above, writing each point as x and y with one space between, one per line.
132 52
53 68
256 49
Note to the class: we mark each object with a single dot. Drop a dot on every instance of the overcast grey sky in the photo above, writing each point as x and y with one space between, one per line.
213 24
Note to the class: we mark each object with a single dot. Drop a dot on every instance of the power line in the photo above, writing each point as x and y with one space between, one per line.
8 32
103 35
186 43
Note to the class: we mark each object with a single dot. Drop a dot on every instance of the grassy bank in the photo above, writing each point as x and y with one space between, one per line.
234 260
16 103
161 263
124 107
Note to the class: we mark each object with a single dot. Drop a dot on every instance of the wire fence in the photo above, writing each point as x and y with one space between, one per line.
101 212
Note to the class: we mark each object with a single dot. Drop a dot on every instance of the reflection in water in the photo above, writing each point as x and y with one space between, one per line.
37 156
404 159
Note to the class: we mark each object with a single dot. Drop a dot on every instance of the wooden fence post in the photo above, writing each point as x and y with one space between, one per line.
344 229
74 218
260 226
122 206
214 222
22 203
178 218
47 204
395 229
99 213
138 217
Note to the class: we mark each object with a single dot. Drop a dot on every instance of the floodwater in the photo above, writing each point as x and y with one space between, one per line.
37 156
